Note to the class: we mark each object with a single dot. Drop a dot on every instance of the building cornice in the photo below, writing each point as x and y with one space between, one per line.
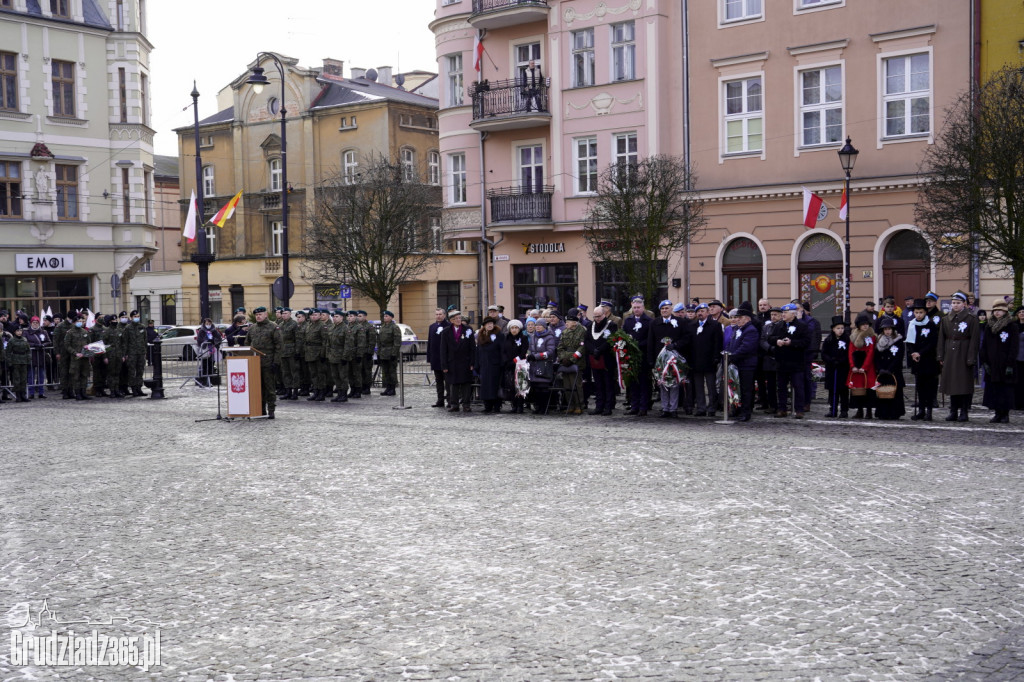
818 47
740 59
893 183
903 33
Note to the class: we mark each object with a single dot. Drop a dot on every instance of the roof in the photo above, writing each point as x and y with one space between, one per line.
92 15
165 166
220 117
341 91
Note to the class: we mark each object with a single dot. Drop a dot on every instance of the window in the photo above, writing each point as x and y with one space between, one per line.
586 165
455 94
613 284
434 168
623 51
275 175
8 81
59 8
208 186
126 197
436 235
804 4
276 238
10 189
535 285
5 3
531 168
736 10
448 294
121 19
743 116
821 106
583 58
907 95
122 92
408 164
525 54
67 192
143 95
461 246
211 243
63 88
625 151
350 166
457 176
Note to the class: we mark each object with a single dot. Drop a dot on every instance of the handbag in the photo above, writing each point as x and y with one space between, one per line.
542 370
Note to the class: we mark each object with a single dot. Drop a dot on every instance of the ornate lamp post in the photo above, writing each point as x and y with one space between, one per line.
847 157
202 258
258 81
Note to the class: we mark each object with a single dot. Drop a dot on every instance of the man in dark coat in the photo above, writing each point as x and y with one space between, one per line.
669 332
743 352
597 342
922 345
458 351
434 356
791 342
707 353
811 354
959 335
769 335
638 326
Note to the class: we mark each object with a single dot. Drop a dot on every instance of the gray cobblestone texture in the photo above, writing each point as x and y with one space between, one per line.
357 542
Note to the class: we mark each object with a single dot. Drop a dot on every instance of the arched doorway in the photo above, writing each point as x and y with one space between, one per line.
820 269
906 266
742 272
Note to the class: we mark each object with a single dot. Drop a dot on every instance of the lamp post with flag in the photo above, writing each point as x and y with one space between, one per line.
847 157
202 258
258 81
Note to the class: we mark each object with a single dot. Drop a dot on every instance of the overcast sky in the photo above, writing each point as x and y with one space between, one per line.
213 41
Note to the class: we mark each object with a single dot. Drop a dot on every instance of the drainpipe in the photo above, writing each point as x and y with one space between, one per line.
975 61
485 243
686 122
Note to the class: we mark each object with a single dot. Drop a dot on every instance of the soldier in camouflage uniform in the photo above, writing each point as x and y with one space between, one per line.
63 359
264 336
99 369
358 349
337 337
113 339
314 351
289 364
18 360
75 342
571 358
301 318
371 346
389 342
134 338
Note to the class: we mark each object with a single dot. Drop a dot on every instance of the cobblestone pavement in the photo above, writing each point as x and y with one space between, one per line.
357 542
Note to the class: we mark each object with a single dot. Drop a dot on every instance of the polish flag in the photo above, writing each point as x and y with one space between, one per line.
478 51
843 207
190 221
812 206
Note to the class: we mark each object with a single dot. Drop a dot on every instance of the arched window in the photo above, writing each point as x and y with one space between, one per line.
820 274
742 274
907 245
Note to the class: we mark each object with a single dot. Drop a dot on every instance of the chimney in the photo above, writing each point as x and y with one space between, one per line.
334 67
384 75
358 72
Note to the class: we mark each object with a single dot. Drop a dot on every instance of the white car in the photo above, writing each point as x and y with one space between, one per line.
410 344
180 342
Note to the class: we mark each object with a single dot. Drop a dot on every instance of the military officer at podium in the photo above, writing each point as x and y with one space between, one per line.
265 337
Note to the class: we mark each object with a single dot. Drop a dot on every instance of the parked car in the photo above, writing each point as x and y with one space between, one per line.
180 342
410 345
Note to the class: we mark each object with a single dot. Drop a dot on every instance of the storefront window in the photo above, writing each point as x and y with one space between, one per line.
821 278
613 287
35 294
536 285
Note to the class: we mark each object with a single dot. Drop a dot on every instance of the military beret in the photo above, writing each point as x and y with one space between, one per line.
679 307
352 313
636 298
702 306
789 308
664 303
239 309
301 312
259 309
361 312
337 312
388 313
122 314
285 310
278 309
134 313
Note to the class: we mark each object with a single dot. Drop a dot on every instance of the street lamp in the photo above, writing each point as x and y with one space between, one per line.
258 81
202 258
847 157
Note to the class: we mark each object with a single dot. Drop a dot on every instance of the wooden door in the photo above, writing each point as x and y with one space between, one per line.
901 283
740 287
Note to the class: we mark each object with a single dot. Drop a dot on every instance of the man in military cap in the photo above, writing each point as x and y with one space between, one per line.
315 351
390 345
354 352
265 337
337 337
302 320
75 342
571 357
113 339
135 352
63 359
638 326
289 363
371 345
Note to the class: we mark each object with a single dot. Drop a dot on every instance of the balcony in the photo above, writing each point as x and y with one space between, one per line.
515 205
502 13
271 268
510 105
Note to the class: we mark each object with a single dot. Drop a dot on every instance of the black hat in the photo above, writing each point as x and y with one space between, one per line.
715 301
869 304
573 315
837 320
887 323
919 303
134 313
806 305
388 313
123 313
745 309
863 319
301 312
353 313
555 313
259 309
108 319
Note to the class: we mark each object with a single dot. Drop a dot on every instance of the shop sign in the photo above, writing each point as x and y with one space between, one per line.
549 247
44 262
501 257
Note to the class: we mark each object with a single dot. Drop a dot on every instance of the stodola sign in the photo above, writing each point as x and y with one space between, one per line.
44 262
549 247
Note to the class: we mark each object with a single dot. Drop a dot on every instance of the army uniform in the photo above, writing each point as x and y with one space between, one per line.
113 339
134 338
389 342
571 358
357 351
371 346
18 360
63 361
266 337
314 352
99 368
75 342
300 354
289 363
337 337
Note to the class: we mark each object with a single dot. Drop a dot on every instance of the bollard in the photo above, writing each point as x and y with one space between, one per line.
401 382
725 389
156 391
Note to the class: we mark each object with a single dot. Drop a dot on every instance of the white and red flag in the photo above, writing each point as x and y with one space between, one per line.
843 208
478 51
812 207
190 220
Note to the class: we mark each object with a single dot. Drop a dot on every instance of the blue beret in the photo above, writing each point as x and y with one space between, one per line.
702 306
664 303
789 307
636 298
679 307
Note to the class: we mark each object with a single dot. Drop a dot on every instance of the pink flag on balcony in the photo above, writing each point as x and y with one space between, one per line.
478 52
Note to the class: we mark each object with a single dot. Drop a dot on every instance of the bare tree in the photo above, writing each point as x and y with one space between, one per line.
971 203
642 213
372 231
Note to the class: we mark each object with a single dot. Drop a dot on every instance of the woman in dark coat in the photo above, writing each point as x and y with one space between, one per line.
889 354
862 366
208 340
458 351
542 349
489 364
514 344
835 351
999 357
39 341
1018 400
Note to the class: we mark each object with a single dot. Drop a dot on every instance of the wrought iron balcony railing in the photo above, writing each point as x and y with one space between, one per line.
510 98
512 204
481 6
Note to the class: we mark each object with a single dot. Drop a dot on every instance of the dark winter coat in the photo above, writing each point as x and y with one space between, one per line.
770 333
999 352
38 340
814 332
926 342
543 345
674 329
959 336
792 357
707 346
744 346
835 351
511 350
489 363
640 330
457 356
434 344
601 347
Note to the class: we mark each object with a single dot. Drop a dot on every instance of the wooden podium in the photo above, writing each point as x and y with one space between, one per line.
244 381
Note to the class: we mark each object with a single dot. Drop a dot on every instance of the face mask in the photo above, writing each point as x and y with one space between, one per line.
135 319
124 320
208 326
78 324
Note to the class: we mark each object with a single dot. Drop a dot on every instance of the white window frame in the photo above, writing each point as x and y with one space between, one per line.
408 158
746 16
457 194
805 6
884 98
456 85
631 158
584 53
522 64
821 107
434 167
436 234
517 163
744 116
461 246
350 166
276 174
209 181
211 241
623 51
276 237
589 188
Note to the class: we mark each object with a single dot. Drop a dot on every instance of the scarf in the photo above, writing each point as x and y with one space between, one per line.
595 332
884 342
912 329
998 325
858 337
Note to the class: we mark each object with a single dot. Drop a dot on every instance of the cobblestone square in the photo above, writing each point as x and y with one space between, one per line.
358 542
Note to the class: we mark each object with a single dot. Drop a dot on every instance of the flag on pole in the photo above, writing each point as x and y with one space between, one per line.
190 221
843 207
478 52
812 206
226 211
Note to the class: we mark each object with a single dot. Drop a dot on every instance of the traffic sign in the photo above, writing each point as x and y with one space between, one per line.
344 291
